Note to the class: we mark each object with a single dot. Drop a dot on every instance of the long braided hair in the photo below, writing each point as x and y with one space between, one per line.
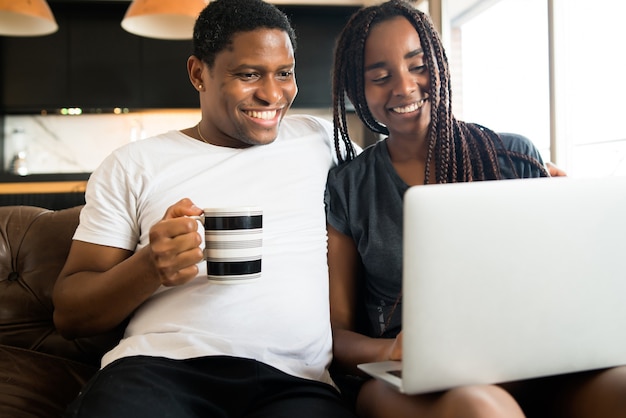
461 151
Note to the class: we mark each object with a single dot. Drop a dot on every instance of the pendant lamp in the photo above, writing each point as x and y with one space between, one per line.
163 19
26 18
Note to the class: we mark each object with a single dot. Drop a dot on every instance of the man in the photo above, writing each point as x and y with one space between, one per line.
193 348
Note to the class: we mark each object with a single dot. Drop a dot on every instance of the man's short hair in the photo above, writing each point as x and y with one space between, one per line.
222 19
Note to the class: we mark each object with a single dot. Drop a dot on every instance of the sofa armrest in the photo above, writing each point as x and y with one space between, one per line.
34 243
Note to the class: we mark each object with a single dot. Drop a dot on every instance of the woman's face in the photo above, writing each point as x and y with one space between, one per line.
397 83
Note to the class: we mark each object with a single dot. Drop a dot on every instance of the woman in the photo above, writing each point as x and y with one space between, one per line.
391 64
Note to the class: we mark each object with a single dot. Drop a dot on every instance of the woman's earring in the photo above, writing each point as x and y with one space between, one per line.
200 87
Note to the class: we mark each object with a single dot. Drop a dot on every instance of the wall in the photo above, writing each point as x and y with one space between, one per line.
78 144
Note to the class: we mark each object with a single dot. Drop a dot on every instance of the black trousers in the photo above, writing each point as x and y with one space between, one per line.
216 386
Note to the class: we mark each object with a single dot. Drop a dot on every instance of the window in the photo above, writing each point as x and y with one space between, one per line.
590 86
501 64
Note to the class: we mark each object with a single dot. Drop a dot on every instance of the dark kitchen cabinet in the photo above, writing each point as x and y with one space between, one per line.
164 79
317 29
104 67
34 70
92 63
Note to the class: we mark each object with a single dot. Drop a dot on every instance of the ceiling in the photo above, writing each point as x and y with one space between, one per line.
285 2
457 10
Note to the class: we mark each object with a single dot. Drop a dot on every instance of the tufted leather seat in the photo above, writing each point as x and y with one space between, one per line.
40 371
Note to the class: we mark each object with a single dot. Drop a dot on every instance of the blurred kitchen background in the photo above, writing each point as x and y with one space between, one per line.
70 97
88 83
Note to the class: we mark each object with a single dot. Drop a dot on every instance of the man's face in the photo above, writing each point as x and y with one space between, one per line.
249 89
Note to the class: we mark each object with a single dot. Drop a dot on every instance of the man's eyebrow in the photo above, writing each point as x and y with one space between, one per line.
381 64
257 67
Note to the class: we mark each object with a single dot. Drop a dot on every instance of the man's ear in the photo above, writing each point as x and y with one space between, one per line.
195 69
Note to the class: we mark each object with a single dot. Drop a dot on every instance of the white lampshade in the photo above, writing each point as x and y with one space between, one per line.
26 18
163 19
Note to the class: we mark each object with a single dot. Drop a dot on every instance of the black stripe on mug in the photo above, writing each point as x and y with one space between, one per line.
233 268
233 222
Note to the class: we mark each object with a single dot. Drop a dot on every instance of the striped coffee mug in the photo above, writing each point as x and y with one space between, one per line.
233 243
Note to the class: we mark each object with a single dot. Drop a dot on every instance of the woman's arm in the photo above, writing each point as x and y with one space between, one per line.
349 347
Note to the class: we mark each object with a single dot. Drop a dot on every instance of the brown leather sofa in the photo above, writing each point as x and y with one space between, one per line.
40 371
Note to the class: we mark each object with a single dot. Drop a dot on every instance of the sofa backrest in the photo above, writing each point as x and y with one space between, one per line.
34 243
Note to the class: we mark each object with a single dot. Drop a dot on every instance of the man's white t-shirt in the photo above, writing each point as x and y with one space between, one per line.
281 319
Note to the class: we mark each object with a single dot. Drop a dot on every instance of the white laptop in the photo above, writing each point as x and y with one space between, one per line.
508 280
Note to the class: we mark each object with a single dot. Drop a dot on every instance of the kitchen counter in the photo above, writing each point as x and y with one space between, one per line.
52 191
43 183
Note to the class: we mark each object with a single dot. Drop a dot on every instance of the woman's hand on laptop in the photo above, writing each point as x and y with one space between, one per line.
555 171
395 351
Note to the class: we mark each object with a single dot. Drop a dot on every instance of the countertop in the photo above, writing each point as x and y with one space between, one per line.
43 183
